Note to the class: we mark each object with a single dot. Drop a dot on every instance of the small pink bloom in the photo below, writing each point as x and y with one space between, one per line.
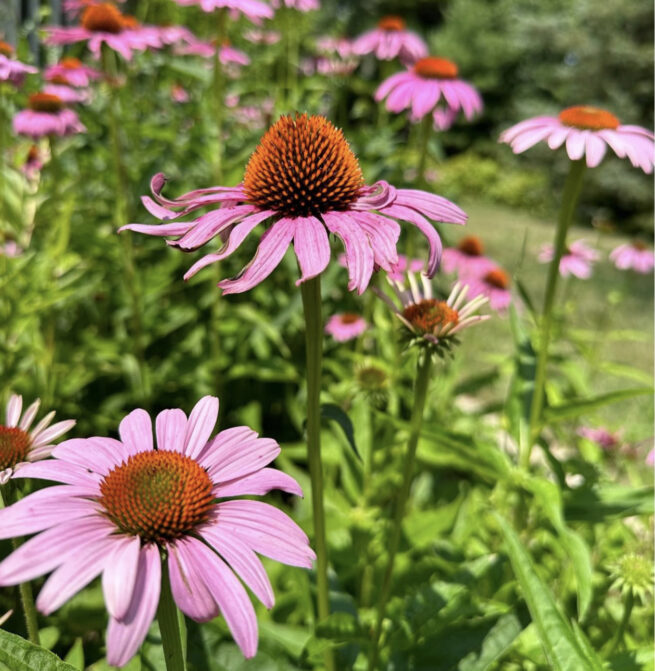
577 259
174 35
345 326
179 94
304 180
650 458
10 249
601 437
467 258
634 256
391 40
227 54
495 285
335 45
102 520
429 82
587 132
73 72
46 116
67 94
262 36
19 445
254 10
12 70
300 5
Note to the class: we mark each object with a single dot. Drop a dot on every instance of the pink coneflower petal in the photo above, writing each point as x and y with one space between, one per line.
29 415
136 431
14 407
257 484
171 430
202 421
99 455
229 459
312 247
119 576
65 473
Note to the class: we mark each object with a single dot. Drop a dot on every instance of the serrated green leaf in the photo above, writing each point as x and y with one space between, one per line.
21 655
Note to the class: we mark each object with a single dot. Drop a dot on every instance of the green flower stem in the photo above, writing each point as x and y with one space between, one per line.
424 139
311 300
25 588
569 201
169 625
423 372
620 632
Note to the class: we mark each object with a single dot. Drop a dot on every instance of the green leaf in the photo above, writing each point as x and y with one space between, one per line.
21 655
494 645
558 638
334 412
576 407
75 656
606 501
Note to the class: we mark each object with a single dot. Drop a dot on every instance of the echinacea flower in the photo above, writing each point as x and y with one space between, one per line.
179 94
257 36
467 258
122 504
494 284
428 86
12 70
226 54
633 256
74 7
587 132
602 437
254 10
345 326
430 320
46 115
19 445
305 179
72 72
340 46
103 23
300 5
576 260
67 94
390 40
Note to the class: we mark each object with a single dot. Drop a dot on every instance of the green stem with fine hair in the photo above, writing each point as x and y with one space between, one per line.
572 189
311 300
25 588
169 625
423 372
424 139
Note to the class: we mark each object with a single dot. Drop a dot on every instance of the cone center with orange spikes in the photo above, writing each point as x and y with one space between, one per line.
102 18
497 278
70 63
14 446
430 315
433 67
471 246
59 79
45 102
130 22
6 49
588 118
303 166
391 23
639 245
349 318
157 495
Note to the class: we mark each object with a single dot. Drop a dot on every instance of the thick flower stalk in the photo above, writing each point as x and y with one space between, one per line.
134 511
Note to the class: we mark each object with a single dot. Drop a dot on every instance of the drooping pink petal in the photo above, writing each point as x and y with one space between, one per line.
383 234
211 224
225 440
170 427
575 144
135 431
52 432
312 247
202 421
119 576
29 415
430 205
61 471
125 636
240 459
258 484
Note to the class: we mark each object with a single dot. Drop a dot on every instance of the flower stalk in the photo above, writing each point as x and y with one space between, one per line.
572 189
423 373
311 299
169 625
424 139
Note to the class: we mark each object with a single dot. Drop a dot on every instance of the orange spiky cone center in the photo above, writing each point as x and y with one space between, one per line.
59 79
588 118
434 67
103 18
391 23
70 63
6 49
497 278
471 246
639 245
349 318
303 166
157 495
45 102
430 315
14 446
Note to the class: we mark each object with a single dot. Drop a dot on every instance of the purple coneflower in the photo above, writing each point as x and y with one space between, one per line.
602 437
467 258
494 284
305 180
46 115
72 72
12 70
124 506
390 40
254 10
576 260
633 256
345 326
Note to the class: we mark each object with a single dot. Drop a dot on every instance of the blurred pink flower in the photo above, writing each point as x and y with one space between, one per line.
104 519
345 326
341 46
601 437
19 445
179 94
467 258
399 271
424 85
67 94
587 131
46 116
494 284
262 36
300 5
32 166
10 249
633 256
650 458
577 259
74 7
254 10
227 54
304 198
390 40
12 70
73 72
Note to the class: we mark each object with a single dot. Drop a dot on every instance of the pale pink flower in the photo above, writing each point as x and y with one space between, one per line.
467 258
257 36
300 5
587 132
73 72
577 259
254 10
179 94
426 87
10 249
12 70
46 116
633 256
67 94
345 326
341 46
174 35
602 437
103 520
304 180
328 66
494 284
227 54
390 40
19 445
428 319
